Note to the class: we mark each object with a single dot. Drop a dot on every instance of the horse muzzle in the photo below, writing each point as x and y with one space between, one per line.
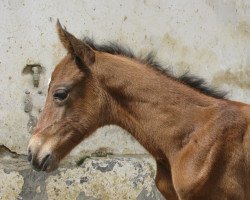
45 163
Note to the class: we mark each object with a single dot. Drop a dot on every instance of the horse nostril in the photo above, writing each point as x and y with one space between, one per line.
29 155
45 162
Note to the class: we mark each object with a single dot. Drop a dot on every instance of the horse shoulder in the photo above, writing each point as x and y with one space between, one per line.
212 157
245 109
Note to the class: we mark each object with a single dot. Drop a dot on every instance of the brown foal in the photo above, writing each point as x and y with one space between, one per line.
200 141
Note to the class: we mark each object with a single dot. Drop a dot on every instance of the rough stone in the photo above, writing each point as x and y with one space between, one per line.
104 178
83 196
10 185
104 166
33 180
152 195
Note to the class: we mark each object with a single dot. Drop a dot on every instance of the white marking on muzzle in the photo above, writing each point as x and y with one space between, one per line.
49 80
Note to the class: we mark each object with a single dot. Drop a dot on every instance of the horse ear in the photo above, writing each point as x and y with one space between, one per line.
82 52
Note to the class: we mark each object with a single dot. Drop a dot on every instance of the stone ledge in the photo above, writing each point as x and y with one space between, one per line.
105 178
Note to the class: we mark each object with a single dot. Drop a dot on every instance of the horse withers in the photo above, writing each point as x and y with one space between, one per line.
199 139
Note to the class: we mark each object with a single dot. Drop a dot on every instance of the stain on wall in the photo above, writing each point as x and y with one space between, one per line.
238 77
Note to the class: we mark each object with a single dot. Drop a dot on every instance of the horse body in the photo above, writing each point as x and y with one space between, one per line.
194 138
201 144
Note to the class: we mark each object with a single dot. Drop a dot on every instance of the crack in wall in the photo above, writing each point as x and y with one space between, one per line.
12 161
5 151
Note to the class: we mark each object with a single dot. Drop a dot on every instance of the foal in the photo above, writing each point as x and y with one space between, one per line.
200 141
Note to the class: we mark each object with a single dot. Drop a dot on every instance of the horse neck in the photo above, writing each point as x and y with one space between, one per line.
157 110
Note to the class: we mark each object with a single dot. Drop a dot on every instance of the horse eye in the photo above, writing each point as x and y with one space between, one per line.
60 94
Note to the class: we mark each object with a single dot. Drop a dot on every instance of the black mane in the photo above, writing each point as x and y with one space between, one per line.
193 81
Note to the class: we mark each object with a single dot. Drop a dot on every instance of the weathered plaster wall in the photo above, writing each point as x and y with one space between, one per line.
210 38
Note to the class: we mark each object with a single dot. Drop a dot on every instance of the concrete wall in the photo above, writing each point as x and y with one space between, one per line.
210 38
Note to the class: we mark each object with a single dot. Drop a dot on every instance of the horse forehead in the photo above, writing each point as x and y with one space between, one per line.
66 69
